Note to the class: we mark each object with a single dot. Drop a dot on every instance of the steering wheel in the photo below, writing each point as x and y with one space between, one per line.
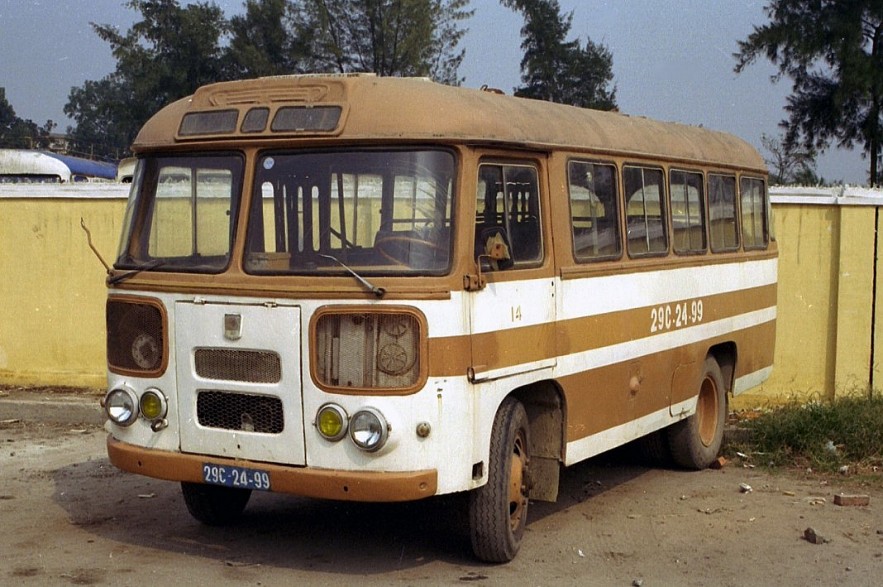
407 250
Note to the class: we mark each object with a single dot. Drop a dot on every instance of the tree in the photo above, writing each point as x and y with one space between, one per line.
20 133
163 57
268 39
389 37
833 52
558 70
106 124
174 50
790 163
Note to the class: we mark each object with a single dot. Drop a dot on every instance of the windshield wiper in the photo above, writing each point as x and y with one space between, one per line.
377 291
146 267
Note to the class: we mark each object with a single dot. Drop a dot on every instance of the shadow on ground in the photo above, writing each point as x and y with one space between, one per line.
291 532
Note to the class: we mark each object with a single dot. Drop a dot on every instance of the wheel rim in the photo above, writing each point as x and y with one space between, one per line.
517 497
707 411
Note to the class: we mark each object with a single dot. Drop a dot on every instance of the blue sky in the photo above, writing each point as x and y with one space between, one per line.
672 60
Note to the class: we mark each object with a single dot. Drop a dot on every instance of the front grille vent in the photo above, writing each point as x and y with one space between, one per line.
238 365
239 411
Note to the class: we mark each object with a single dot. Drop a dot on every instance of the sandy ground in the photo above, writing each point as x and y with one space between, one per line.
70 518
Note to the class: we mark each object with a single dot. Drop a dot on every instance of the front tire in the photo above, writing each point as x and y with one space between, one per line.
696 441
214 505
498 510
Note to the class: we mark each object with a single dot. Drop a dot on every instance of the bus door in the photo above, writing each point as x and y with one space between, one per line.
239 380
513 314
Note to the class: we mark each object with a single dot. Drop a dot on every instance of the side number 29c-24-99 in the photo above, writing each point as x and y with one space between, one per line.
672 316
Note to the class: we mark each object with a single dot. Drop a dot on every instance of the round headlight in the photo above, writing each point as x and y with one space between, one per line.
121 406
368 429
153 404
331 422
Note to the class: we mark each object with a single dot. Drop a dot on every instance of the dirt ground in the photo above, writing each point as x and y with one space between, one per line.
70 518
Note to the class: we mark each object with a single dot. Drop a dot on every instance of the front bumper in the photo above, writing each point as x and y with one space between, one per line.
318 483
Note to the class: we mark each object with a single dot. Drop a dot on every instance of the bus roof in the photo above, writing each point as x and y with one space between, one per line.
86 167
25 163
415 109
28 163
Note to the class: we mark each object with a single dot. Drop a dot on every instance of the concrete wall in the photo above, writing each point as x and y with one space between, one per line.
830 314
829 331
52 288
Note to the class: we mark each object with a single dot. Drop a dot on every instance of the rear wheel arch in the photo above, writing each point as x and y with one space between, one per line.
726 355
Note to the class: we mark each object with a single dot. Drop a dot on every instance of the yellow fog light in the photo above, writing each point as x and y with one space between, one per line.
153 404
331 421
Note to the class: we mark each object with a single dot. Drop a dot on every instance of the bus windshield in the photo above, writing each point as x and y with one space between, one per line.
379 212
181 213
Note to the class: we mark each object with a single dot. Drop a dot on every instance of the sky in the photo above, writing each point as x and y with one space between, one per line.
672 60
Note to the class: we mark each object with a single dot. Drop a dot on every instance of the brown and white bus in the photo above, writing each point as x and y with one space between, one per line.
383 289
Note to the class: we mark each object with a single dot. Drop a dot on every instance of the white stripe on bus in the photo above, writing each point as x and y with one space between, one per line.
603 441
642 347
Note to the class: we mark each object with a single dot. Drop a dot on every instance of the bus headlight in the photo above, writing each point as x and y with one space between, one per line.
153 404
331 421
369 429
121 406
136 336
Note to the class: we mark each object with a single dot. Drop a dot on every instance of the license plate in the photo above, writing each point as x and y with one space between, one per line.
239 477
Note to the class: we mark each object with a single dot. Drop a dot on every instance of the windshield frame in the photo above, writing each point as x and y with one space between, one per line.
139 249
361 188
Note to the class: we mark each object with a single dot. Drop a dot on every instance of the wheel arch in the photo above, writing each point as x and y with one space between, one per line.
546 413
725 354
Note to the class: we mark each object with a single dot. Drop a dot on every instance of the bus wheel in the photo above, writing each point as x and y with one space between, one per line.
498 510
214 505
696 441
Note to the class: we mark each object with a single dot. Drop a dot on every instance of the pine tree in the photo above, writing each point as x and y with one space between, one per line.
390 37
833 52
559 70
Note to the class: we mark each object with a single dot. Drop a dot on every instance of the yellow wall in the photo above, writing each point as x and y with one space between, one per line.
52 287
52 312
806 314
826 296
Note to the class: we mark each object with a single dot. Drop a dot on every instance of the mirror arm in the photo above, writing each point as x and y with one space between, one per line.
476 282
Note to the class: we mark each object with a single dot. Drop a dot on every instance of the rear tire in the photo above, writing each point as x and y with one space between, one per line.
214 505
498 510
696 441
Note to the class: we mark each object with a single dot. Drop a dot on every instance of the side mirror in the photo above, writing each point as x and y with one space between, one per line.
496 252
496 248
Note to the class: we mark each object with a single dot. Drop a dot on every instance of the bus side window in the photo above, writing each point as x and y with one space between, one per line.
687 212
754 223
645 211
594 211
722 213
508 204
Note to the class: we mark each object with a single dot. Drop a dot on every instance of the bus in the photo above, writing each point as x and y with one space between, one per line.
26 166
375 289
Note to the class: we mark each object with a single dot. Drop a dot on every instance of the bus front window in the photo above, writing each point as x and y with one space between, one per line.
181 213
379 212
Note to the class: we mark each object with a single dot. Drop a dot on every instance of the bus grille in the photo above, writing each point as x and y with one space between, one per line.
236 365
238 411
